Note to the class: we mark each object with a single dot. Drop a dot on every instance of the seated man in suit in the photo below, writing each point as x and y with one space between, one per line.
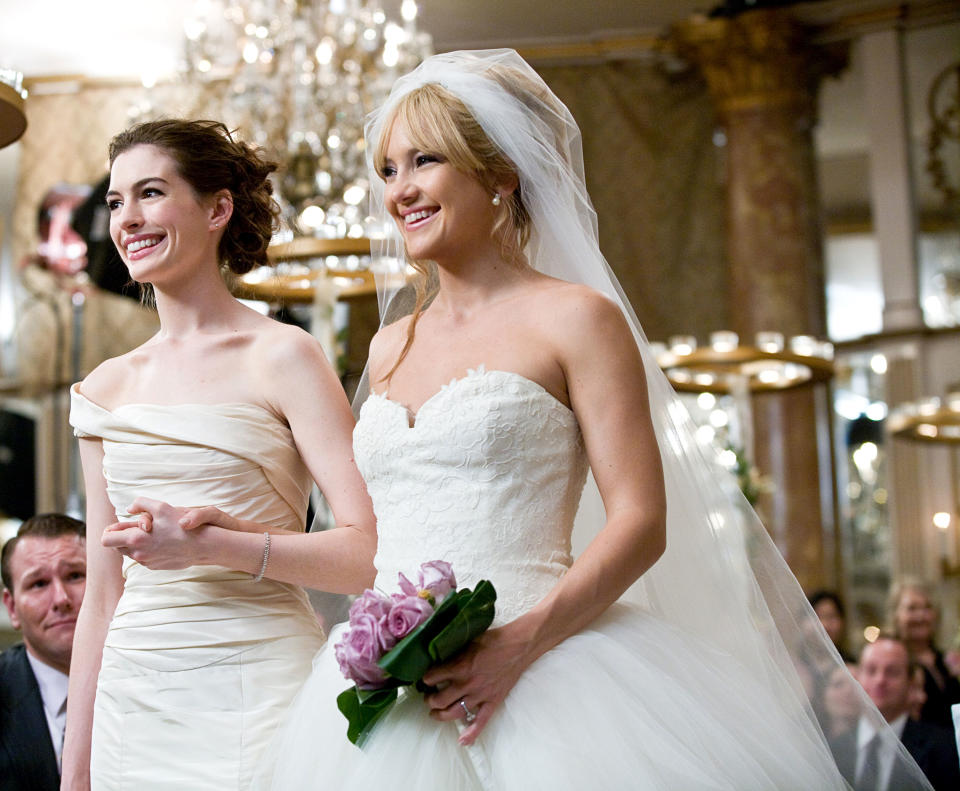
44 577
870 764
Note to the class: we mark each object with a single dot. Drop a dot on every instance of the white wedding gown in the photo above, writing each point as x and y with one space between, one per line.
201 663
488 478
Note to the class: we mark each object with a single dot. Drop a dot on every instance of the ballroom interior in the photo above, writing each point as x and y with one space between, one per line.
777 186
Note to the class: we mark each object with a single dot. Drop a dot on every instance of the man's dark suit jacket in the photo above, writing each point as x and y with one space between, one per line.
27 758
933 748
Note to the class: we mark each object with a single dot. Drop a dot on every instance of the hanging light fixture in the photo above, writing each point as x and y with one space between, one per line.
773 362
298 77
13 118
927 420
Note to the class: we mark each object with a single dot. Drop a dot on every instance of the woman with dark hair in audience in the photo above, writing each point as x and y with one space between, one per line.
829 608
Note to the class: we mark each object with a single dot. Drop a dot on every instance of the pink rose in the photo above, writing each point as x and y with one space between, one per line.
371 602
376 606
407 614
357 653
437 578
407 588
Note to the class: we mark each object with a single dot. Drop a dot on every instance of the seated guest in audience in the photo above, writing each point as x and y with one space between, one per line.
44 576
912 616
918 692
841 703
884 673
830 610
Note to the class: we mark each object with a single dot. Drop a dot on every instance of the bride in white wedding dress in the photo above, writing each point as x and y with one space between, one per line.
659 658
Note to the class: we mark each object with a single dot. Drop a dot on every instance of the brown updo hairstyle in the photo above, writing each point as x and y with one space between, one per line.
209 160
437 122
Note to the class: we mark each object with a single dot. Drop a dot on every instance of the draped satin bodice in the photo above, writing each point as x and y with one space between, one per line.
238 457
488 478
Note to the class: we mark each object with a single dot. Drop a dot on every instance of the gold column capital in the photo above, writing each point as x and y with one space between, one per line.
760 59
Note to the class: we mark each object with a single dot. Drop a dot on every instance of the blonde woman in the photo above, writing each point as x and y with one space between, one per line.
912 616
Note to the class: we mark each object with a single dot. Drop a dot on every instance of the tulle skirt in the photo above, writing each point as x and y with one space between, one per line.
628 703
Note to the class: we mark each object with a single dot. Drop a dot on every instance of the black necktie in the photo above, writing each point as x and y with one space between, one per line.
870 771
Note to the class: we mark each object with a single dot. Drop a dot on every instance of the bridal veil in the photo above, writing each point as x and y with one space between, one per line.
721 576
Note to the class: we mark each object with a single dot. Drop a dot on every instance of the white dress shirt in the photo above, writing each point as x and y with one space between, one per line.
53 690
886 752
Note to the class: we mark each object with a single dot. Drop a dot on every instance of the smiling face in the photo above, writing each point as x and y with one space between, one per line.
48 577
443 213
915 618
159 224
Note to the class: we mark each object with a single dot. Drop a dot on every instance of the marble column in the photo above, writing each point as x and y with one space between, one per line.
763 74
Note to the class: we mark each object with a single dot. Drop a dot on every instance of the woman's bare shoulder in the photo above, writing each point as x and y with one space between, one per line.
574 307
283 350
386 345
106 383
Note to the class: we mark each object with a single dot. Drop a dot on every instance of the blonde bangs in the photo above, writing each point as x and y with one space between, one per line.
436 122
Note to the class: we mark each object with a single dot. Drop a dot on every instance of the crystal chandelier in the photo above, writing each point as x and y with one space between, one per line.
297 77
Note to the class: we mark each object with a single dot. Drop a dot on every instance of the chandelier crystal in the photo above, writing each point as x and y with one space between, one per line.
298 77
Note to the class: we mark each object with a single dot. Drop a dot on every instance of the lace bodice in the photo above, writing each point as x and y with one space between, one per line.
487 478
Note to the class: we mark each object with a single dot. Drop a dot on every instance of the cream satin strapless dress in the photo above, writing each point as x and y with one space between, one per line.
200 664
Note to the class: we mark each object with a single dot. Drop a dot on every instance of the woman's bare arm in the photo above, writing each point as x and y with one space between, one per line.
607 387
302 386
104 586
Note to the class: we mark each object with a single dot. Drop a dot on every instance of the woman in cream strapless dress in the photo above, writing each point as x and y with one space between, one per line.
180 676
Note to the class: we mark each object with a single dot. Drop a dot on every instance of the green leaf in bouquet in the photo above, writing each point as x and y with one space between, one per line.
363 707
474 616
409 659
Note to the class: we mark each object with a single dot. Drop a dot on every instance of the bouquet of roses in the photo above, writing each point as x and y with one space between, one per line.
393 640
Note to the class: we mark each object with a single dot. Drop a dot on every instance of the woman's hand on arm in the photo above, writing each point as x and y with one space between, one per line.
103 589
166 537
606 384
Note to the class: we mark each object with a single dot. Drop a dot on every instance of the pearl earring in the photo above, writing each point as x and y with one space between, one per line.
496 199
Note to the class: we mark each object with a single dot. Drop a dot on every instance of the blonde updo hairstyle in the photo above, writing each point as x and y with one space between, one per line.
437 122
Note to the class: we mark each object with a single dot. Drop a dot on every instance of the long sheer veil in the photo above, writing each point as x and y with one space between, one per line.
721 576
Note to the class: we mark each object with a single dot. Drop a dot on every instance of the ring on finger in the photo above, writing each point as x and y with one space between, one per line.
468 716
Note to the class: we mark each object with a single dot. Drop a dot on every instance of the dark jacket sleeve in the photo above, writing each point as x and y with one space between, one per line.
27 758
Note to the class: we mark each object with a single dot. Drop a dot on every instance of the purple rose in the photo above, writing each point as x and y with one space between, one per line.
372 603
377 606
357 653
407 614
407 588
437 578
